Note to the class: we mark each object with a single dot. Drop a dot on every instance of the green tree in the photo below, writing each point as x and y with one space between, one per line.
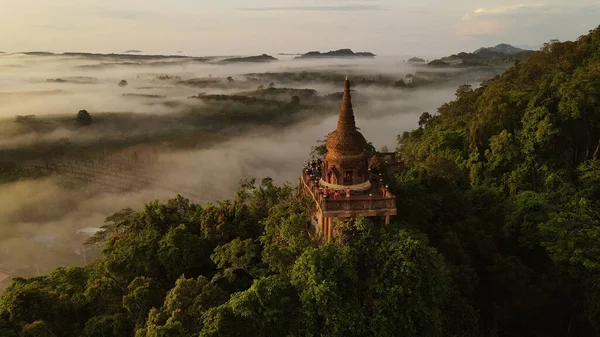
329 287
268 308
37 329
7 329
99 326
182 252
410 285
239 255
129 255
184 307
572 237
143 294
288 233
36 304
83 118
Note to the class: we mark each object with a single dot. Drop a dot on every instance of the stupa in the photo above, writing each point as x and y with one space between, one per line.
342 185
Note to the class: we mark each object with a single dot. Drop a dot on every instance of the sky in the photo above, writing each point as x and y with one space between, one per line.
242 27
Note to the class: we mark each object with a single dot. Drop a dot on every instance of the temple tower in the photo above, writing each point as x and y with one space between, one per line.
346 163
343 186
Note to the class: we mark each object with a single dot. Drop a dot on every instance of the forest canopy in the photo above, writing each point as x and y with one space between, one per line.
497 234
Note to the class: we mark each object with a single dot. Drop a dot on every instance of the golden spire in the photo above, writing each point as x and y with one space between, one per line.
346 122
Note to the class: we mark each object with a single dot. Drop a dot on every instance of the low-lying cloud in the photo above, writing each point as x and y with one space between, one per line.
39 219
340 8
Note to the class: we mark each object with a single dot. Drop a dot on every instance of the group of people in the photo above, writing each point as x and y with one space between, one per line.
336 194
313 167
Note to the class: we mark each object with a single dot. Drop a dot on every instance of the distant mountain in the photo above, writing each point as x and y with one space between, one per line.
500 55
114 59
502 48
439 63
341 53
259 58
73 79
289 54
132 57
38 53
416 60
132 51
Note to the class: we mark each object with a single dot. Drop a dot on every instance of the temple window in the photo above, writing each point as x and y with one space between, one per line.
348 177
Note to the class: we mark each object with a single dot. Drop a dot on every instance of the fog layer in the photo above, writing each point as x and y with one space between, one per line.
40 218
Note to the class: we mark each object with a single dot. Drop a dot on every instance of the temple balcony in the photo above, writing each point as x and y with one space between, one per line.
378 201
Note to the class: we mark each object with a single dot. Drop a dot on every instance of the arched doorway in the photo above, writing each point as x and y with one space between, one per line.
332 177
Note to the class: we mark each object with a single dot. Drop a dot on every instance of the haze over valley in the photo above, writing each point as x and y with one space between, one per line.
332 168
167 132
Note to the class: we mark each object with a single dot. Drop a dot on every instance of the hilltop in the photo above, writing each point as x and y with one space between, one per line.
39 53
416 60
520 154
502 48
127 56
258 58
340 53
500 55
132 51
113 56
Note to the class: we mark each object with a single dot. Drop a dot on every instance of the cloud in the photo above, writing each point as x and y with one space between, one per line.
497 21
503 10
478 28
115 13
478 36
506 10
341 8
525 24
52 27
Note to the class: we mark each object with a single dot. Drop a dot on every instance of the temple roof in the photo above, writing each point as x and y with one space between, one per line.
346 122
346 140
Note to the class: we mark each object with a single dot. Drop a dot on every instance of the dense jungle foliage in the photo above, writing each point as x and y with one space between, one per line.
497 234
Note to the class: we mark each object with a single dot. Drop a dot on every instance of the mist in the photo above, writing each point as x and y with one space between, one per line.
40 218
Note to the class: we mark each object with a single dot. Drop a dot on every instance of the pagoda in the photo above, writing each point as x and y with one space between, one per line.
341 184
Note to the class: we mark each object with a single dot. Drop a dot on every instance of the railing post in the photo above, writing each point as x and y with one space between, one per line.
321 225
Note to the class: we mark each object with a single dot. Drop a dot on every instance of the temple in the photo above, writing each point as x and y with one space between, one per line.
342 184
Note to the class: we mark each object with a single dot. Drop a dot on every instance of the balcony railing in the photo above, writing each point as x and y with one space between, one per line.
379 198
372 204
